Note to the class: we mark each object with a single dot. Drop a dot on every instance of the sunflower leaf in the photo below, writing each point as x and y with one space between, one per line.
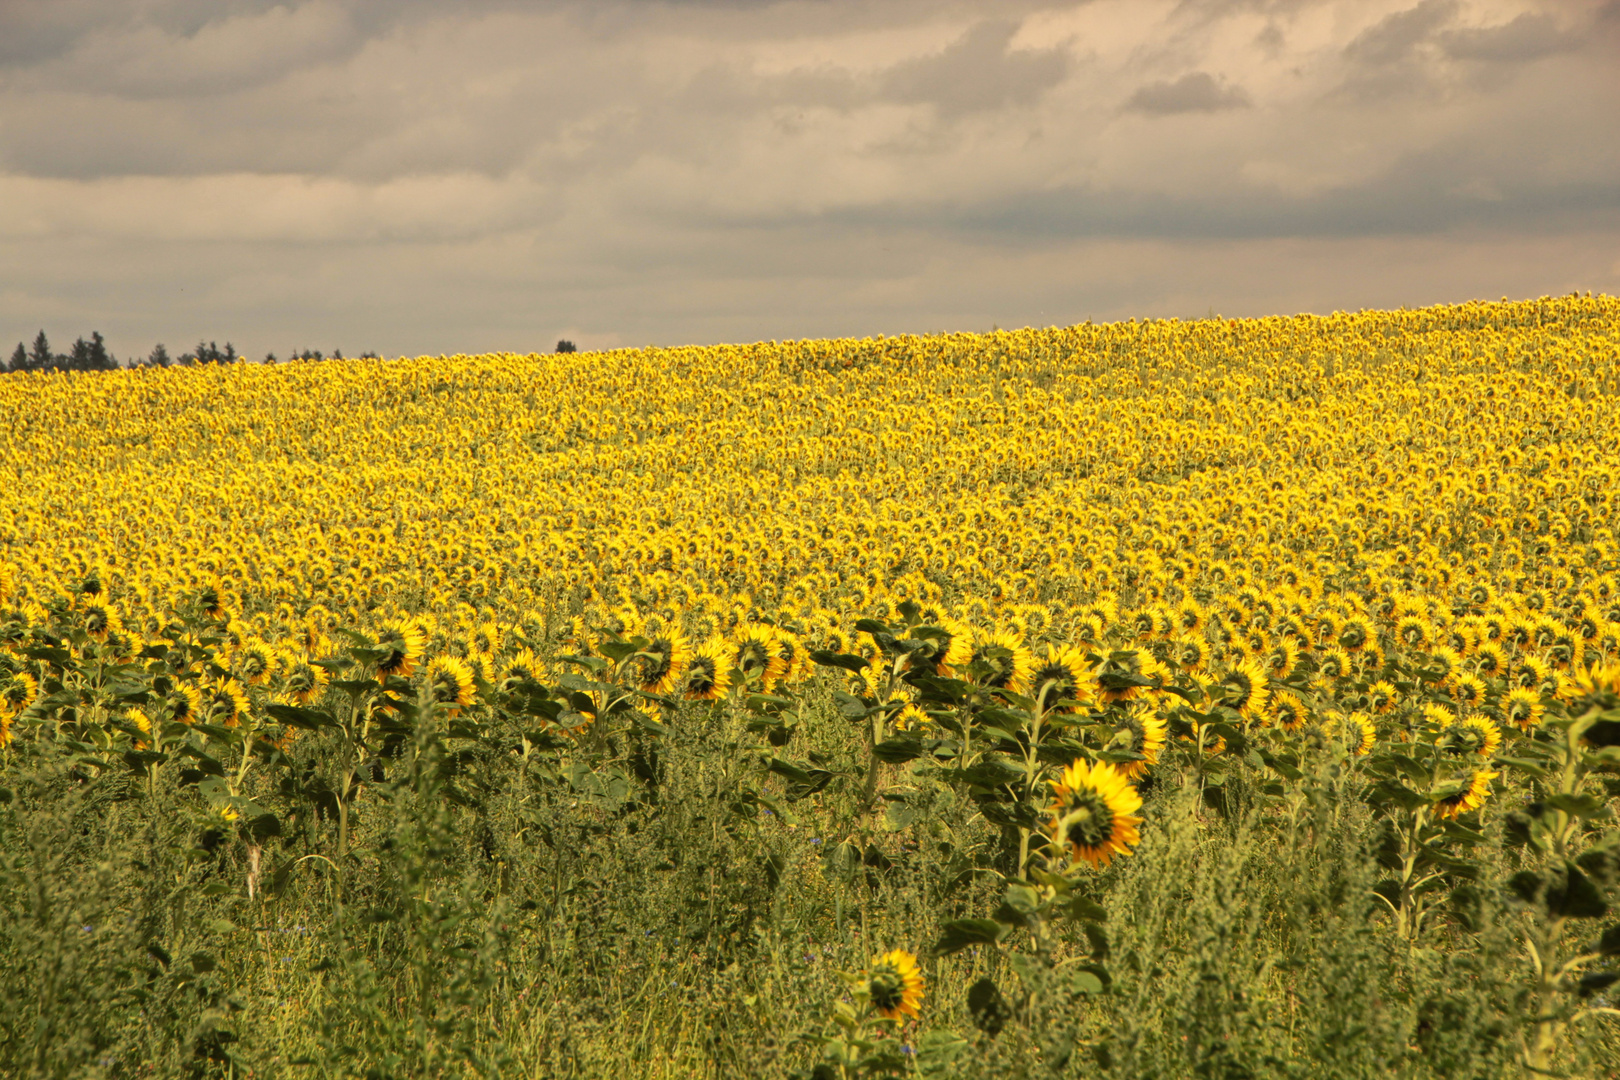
959 934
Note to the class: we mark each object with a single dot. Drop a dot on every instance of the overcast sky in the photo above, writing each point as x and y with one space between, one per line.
410 176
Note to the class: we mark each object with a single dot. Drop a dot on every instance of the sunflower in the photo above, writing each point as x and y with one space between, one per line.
1489 660
485 638
1004 659
1335 664
1092 811
1382 697
1132 665
401 644
304 681
910 718
17 694
1287 711
520 668
1062 675
1467 689
257 662
185 704
1357 731
101 620
450 682
753 653
894 984
1192 654
1522 707
1533 673
1141 734
1414 632
1281 658
1245 687
1484 732
224 704
1191 617
661 666
1444 661
708 673
1357 634
1595 688
1471 797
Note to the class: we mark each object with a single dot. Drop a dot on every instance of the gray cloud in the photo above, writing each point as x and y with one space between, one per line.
1198 91
1528 36
404 174
977 72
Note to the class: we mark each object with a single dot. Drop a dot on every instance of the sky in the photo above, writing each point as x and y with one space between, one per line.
411 177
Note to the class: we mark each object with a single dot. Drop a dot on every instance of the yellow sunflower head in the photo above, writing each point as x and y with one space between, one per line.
401 644
1002 661
894 984
1473 795
708 675
1245 688
660 668
1140 733
1062 675
1523 708
450 682
1093 812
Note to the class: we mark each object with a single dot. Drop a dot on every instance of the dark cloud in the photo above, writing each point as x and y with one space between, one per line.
1530 36
1396 38
1198 91
977 72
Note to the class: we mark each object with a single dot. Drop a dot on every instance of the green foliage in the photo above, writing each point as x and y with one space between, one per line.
585 879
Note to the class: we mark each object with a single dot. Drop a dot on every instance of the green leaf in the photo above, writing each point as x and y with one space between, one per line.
900 749
838 660
987 1007
1086 982
959 934
299 717
1577 805
1083 908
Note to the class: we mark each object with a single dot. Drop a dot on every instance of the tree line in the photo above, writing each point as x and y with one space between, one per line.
93 355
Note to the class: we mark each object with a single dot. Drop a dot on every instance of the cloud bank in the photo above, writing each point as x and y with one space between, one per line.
413 177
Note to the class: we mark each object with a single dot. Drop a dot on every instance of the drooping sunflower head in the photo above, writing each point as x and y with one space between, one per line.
1443 663
1533 673
1093 812
1468 690
894 984
1002 661
1382 697
1476 733
754 655
1245 688
17 692
1357 634
661 666
708 674
910 718
1415 632
1472 796
304 681
185 704
450 683
1334 665
1140 733
1523 708
257 662
1192 654
1357 731
224 703
1489 660
1287 711
484 638
1280 658
1595 688
401 644
1062 675
522 667
101 619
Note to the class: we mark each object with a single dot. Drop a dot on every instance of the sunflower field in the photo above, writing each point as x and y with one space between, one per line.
1216 699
